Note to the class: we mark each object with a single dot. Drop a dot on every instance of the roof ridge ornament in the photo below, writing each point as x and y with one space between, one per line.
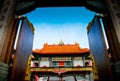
61 43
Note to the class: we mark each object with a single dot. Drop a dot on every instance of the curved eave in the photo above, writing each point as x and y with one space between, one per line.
25 6
61 52
98 6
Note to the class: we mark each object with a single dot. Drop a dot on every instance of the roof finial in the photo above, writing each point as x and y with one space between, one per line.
61 43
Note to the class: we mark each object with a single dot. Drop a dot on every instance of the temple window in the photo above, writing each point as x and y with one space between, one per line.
44 62
78 62
34 63
61 62
88 62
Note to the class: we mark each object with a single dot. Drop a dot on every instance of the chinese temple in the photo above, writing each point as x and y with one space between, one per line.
62 62
11 12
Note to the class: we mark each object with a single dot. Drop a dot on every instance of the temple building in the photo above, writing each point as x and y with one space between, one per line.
11 11
63 62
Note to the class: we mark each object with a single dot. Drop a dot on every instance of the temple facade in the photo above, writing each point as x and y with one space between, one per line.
63 62
11 12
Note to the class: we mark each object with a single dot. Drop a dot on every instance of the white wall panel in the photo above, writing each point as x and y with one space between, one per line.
44 63
77 63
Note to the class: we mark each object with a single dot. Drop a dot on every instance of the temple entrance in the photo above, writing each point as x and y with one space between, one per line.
11 11
99 49
22 51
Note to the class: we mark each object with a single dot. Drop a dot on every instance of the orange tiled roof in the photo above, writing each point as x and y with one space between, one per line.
61 49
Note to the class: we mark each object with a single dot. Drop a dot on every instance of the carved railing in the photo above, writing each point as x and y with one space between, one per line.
53 69
3 71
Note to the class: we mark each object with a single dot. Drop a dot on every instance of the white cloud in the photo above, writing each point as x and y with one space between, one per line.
53 33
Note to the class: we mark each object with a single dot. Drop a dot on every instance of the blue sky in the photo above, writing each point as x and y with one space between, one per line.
60 23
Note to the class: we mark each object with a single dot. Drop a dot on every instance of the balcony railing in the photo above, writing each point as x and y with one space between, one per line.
62 69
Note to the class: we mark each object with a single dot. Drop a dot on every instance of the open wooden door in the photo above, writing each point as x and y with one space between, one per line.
99 50
23 50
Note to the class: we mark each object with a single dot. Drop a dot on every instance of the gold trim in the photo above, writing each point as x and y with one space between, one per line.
51 69
28 69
